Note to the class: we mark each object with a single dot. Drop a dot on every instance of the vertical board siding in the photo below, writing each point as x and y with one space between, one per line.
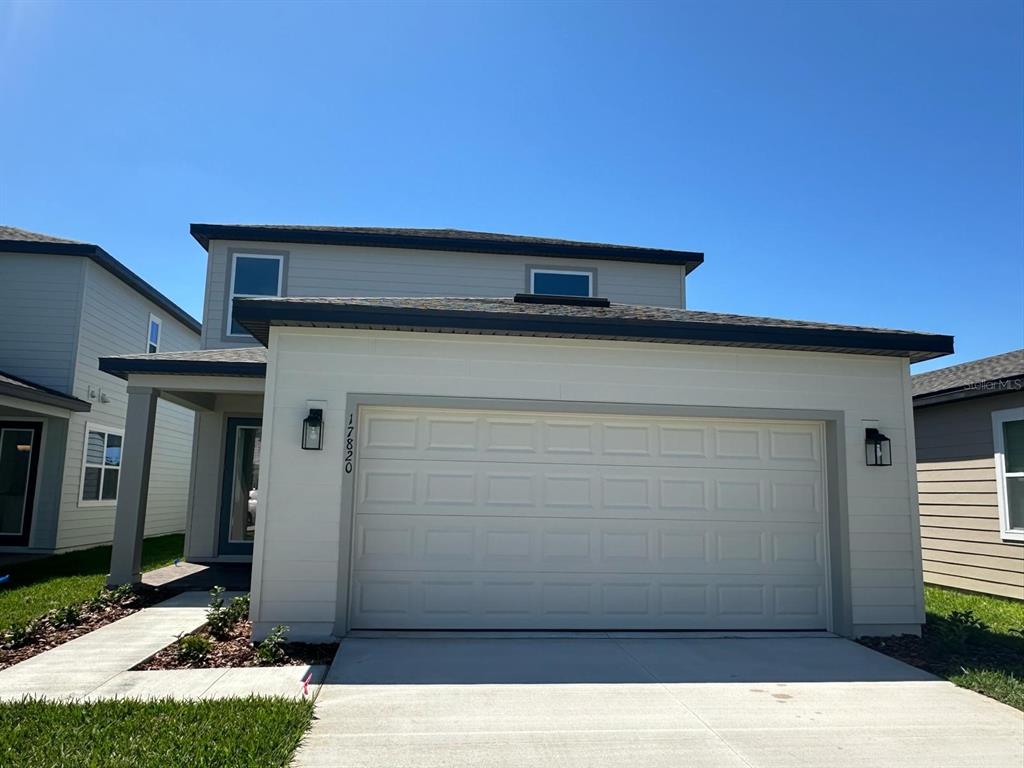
323 270
39 310
961 543
329 365
115 320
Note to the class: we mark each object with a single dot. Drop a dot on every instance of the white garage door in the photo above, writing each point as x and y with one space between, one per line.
514 520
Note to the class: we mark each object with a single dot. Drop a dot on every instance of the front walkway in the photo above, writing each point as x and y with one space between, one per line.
95 665
624 702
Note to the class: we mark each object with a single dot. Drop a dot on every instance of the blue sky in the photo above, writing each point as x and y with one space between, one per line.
850 162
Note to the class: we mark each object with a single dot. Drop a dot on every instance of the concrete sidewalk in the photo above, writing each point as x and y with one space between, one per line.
647 703
96 665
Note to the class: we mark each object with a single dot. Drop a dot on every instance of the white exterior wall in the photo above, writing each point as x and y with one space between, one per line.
115 320
296 563
327 270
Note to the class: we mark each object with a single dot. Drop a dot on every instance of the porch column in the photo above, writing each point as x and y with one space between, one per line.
136 456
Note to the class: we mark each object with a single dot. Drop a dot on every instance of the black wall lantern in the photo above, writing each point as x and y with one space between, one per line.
313 430
877 448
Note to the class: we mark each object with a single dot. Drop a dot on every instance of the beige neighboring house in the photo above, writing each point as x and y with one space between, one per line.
970 474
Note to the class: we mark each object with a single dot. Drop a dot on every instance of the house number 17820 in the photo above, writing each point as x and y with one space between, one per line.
350 443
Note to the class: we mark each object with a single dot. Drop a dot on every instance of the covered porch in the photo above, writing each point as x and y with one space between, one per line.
225 390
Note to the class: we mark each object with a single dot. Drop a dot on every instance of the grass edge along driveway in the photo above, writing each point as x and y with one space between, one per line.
38 586
123 733
975 641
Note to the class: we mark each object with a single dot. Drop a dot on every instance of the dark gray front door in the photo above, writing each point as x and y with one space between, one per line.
19 462
240 494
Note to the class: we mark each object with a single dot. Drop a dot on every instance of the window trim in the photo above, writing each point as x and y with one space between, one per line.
552 270
999 418
94 427
159 333
279 257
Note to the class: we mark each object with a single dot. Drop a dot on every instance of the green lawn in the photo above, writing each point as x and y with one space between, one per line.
987 657
254 732
37 586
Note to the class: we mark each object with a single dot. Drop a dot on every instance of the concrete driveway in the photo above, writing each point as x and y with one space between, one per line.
621 702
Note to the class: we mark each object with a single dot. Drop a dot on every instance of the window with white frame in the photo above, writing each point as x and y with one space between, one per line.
101 464
253 275
1008 437
153 339
560 282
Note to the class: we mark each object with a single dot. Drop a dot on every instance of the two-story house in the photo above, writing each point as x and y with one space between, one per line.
438 429
63 305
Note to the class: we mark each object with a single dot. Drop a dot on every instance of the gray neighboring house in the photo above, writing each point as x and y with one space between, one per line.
63 305
970 474
441 429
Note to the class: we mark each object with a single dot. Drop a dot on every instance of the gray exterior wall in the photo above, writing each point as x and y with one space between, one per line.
960 540
40 303
325 270
115 320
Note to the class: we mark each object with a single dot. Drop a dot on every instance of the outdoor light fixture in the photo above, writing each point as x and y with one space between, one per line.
313 430
877 448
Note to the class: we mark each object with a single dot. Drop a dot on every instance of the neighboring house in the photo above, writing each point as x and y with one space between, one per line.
970 474
525 453
63 305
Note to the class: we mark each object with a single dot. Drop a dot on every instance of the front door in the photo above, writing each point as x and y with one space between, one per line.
239 495
19 461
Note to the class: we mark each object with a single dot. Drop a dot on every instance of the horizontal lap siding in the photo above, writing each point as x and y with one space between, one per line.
115 320
329 365
960 539
320 270
39 305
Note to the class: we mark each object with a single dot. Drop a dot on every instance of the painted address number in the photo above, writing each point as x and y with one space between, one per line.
350 442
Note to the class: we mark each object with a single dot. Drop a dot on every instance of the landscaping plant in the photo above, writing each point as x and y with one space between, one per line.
194 648
271 650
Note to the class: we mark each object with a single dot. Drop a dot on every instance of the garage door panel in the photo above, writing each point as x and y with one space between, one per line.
507 520
445 544
599 439
389 486
559 601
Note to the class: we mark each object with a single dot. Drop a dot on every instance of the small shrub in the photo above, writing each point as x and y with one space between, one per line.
961 628
118 595
239 608
68 616
18 633
194 648
221 618
271 650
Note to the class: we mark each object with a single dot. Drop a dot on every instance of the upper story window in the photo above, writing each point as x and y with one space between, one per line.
1008 436
253 275
101 465
558 282
153 340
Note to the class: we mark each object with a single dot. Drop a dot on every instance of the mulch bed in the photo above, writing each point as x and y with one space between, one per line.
237 650
932 655
48 635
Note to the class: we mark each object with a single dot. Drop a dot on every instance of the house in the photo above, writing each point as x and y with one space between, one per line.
63 305
970 474
557 444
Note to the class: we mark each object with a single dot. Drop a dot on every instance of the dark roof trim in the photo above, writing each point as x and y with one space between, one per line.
122 367
258 315
37 393
568 301
204 233
109 263
1002 386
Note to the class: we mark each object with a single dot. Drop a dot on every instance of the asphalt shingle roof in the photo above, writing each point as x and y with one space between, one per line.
445 240
616 321
15 386
1007 366
25 236
235 361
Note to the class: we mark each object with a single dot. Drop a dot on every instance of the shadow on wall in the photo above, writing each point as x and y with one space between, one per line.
468 661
